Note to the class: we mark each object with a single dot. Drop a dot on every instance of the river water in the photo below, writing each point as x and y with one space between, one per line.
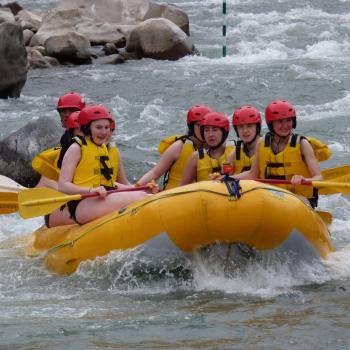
298 50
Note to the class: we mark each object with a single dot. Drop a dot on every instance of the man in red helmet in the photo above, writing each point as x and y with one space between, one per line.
175 151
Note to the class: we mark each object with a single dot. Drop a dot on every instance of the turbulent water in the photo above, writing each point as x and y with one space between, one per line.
298 50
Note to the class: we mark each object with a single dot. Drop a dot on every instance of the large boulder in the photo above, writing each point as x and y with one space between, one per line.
6 15
13 6
29 20
70 47
160 39
18 149
170 12
13 60
103 21
36 58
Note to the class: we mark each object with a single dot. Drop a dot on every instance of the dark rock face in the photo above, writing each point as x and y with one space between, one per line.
13 60
19 148
70 47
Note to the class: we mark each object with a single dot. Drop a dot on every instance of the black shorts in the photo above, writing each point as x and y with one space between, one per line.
47 219
72 208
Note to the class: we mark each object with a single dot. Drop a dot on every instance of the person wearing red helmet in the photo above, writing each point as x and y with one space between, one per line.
214 128
90 165
47 163
68 103
175 151
246 121
281 154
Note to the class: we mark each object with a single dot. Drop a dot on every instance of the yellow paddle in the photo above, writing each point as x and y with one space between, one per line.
342 187
337 174
9 195
8 202
326 217
41 201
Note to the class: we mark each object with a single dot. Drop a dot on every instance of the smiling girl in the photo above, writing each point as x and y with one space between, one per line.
90 165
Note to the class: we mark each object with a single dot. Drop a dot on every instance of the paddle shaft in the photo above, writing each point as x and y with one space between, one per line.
74 197
282 182
342 187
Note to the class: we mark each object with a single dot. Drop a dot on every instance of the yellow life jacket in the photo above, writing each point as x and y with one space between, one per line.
285 164
207 165
322 152
98 164
45 163
168 141
242 161
173 176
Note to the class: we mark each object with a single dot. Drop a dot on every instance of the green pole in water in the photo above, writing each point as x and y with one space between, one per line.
224 28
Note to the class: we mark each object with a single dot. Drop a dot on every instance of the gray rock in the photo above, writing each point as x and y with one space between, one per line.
6 15
27 36
70 47
170 12
13 6
103 21
18 149
160 39
13 60
110 49
36 58
29 20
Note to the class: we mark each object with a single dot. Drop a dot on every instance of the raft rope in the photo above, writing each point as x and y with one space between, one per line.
233 186
132 211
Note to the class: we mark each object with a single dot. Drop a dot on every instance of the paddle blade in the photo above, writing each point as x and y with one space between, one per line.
328 187
8 202
41 201
326 217
337 174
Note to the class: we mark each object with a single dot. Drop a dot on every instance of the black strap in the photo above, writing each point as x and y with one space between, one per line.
267 141
293 140
183 138
106 171
201 153
238 149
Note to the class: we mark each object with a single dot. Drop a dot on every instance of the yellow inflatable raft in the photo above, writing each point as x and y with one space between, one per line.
187 218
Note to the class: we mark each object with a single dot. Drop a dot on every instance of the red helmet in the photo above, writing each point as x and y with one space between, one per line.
197 112
219 120
216 119
246 115
95 112
72 121
71 100
279 109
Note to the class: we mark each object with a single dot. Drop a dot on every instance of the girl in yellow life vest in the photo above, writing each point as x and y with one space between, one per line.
284 155
173 160
90 166
214 128
246 121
